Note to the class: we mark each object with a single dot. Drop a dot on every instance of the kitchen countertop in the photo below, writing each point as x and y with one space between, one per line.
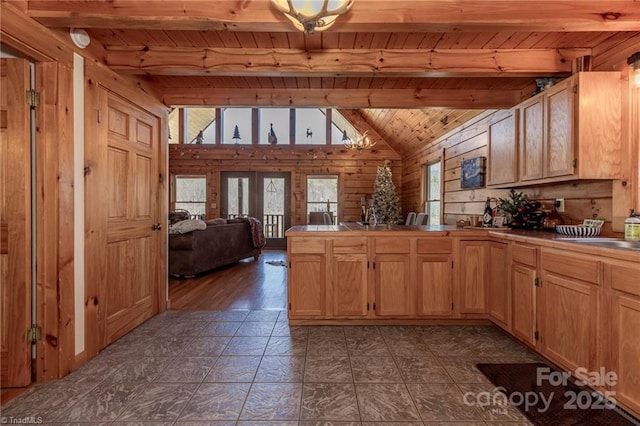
354 228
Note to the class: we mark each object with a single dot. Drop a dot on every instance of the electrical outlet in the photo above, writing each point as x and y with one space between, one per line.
559 203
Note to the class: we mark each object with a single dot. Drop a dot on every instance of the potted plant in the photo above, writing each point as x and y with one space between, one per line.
513 207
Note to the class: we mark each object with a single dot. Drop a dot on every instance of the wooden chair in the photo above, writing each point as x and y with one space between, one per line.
411 219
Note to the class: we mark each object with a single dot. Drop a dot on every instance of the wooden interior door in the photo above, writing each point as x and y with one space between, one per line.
15 224
122 209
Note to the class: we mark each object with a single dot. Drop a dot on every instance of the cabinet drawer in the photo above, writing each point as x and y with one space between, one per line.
307 245
574 266
435 245
350 245
623 276
527 255
393 245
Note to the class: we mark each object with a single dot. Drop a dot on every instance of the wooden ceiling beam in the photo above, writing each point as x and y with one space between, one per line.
343 98
342 62
365 15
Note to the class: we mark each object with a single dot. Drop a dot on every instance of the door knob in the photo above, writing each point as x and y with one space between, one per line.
156 227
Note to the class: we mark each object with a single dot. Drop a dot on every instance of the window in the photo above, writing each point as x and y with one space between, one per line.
311 126
433 181
240 117
191 194
320 191
279 118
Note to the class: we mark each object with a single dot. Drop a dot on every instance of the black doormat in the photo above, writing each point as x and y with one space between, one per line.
547 398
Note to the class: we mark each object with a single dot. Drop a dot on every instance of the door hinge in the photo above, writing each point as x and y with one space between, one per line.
536 335
374 306
33 98
452 306
536 281
34 334
452 264
289 264
575 88
367 306
368 266
374 267
575 163
289 306
99 116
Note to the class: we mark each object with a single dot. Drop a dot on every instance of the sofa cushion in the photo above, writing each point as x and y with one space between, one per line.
216 221
186 226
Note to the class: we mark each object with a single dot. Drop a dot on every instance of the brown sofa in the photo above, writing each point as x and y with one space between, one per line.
203 250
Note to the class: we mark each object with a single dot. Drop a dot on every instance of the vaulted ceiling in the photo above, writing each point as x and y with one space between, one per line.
416 68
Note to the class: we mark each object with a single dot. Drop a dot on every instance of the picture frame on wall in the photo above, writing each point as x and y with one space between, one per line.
472 174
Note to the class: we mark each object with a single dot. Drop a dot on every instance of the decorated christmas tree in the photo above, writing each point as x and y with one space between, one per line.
385 200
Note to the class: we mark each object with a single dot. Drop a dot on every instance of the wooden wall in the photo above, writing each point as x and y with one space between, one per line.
356 171
582 199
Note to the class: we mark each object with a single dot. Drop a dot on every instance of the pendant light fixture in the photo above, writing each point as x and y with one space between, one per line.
310 16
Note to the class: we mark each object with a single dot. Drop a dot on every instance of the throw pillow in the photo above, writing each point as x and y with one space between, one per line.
186 226
216 221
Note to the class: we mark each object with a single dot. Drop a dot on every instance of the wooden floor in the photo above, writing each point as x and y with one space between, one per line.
248 284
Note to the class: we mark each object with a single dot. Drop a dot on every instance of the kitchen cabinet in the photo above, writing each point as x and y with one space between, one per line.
434 277
570 131
622 295
349 285
524 281
306 277
306 285
393 282
498 283
502 148
473 272
570 309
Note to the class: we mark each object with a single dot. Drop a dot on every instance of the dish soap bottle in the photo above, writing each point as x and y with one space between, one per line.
632 227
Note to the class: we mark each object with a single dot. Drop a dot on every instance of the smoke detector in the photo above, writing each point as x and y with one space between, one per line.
79 37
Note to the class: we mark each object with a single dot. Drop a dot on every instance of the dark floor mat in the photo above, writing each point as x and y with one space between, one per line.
570 404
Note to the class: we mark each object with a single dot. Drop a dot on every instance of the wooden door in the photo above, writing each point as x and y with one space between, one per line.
559 149
435 285
570 322
15 224
393 285
502 147
499 283
625 348
531 140
473 256
306 285
523 303
349 285
274 206
238 194
123 217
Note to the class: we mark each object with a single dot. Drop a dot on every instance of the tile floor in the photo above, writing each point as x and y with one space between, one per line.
251 368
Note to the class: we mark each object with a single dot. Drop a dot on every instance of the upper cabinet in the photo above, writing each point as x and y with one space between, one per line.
570 131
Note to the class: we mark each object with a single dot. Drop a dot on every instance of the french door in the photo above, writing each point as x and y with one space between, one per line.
264 195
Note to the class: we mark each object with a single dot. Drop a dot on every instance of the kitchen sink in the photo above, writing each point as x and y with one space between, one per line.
606 242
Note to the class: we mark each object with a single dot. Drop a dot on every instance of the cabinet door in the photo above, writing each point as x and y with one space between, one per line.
531 140
523 304
307 285
625 349
502 149
559 148
435 285
570 322
472 265
393 285
499 283
349 285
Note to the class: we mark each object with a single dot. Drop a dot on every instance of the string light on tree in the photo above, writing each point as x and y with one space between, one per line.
385 199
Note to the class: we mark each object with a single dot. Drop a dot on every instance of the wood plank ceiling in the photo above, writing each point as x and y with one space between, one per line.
416 68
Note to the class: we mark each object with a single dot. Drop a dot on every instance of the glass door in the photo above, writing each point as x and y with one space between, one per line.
265 196
274 206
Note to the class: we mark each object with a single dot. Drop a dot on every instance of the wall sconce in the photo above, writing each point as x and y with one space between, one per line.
635 74
307 17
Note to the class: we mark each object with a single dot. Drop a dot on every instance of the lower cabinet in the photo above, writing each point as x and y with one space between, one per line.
349 285
569 329
435 285
622 288
393 285
498 283
473 272
523 303
307 285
